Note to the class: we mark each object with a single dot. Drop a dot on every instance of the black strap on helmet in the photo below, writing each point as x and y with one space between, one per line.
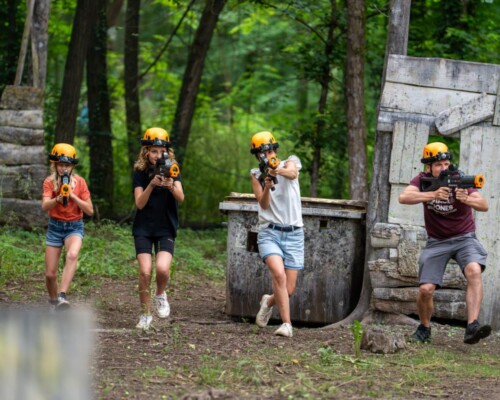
438 157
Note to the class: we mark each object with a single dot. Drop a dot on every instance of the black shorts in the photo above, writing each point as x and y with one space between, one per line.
145 244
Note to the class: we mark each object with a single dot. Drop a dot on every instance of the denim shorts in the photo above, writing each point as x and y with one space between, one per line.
288 245
58 231
434 257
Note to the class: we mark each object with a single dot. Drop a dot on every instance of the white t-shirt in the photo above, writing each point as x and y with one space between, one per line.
285 207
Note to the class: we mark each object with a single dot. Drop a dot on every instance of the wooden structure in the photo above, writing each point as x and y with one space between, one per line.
424 96
23 160
328 289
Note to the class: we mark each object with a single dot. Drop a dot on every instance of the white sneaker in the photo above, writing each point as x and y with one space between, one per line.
284 330
144 322
264 313
162 306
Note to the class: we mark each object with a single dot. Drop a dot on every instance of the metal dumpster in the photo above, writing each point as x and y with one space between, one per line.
328 288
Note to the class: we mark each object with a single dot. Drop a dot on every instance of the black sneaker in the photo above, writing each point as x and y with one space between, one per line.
421 335
475 332
62 302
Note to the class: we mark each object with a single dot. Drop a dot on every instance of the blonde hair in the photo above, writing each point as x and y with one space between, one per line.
55 179
142 163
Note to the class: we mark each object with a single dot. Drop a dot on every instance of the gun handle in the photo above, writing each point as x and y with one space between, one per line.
65 201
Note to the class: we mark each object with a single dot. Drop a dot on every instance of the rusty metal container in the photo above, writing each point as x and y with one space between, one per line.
328 288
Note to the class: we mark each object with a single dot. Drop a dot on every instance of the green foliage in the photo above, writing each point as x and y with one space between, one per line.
357 331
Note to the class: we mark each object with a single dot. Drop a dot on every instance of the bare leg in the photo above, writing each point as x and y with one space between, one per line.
73 244
52 255
280 292
425 303
474 295
145 261
163 262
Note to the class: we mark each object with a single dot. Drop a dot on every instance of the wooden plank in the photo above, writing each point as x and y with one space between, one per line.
403 213
386 120
443 73
22 98
22 213
25 136
13 154
385 274
496 115
32 119
23 181
469 113
398 97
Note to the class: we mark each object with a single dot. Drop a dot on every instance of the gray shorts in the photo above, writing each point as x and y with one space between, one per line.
436 254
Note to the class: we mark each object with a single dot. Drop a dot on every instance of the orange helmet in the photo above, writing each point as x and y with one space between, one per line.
436 151
263 141
64 153
156 137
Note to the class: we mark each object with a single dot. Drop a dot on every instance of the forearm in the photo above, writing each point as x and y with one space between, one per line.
416 197
177 192
48 203
142 198
476 203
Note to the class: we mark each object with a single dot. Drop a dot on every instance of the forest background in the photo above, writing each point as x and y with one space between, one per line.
213 72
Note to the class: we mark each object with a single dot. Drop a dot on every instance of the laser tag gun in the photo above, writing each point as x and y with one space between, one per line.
166 168
65 187
264 165
452 178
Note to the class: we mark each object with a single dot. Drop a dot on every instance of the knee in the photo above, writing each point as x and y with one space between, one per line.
50 275
473 272
162 271
290 289
71 256
280 278
427 290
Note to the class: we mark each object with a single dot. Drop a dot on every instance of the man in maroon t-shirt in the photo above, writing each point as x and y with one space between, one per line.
451 235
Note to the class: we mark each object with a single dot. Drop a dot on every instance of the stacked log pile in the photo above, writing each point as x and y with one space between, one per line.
395 280
23 159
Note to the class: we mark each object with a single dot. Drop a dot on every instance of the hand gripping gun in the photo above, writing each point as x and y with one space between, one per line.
452 178
65 187
264 165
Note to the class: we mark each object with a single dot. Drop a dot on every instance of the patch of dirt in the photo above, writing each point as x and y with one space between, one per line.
194 353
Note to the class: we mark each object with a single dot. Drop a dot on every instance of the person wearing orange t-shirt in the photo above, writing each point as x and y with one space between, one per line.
65 198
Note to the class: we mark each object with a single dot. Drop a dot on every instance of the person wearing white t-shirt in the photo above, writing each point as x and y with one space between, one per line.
281 235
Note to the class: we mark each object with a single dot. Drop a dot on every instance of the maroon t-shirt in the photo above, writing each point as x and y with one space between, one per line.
446 218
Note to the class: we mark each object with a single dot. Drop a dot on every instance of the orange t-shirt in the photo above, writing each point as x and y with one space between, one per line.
71 212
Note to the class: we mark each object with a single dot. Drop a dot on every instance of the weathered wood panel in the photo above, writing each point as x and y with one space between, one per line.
496 115
444 73
22 182
13 154
408 142
24 136
459 117
403 213
23 213
448 303
399 97
22 98
328 288
45 356
22 118
386 120
385 274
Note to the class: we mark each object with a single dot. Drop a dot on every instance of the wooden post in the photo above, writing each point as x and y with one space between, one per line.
24 43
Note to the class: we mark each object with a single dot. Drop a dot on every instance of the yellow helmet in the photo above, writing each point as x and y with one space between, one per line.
436 151
64 153
263 141
156 137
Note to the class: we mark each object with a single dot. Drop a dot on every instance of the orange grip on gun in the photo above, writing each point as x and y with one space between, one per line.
273 162
65 191
479 181
174 170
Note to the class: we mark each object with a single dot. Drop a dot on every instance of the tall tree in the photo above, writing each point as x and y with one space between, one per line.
131 59
100 145
39 42
193 73
356 124
324 81
83 22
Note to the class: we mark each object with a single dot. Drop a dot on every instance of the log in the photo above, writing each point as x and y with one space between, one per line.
22 213
23 182
22 118
469 113
389 235
22 98
385 274
24 136
375 317
13 154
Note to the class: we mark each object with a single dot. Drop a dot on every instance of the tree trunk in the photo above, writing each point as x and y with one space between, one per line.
85 17
356 124
323 98
39 41
100 146
192 75
132 103
380 189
